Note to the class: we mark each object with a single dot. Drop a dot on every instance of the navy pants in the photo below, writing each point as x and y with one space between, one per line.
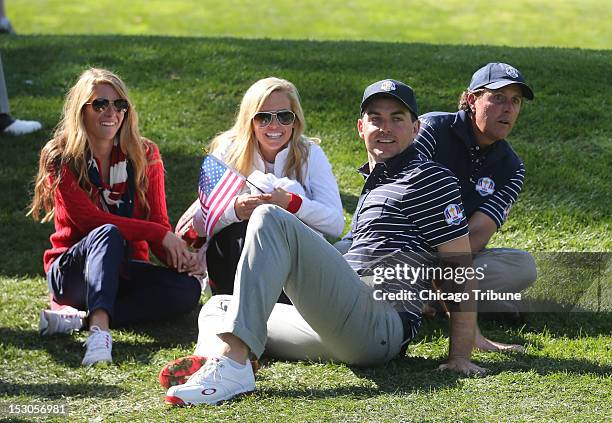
94 274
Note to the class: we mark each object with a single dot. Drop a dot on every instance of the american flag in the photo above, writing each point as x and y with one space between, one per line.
217 186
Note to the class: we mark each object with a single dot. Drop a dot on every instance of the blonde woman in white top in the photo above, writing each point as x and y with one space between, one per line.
268 145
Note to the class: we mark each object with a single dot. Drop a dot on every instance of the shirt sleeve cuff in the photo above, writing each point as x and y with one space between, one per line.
498 219
198 222
229 215
294 204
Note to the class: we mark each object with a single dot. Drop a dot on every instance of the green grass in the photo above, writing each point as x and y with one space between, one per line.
188 89
563 23
565 375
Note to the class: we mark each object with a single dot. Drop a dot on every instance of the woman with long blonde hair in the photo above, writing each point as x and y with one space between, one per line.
267 144
103 186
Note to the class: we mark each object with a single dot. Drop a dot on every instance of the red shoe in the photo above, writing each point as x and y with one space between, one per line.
178 371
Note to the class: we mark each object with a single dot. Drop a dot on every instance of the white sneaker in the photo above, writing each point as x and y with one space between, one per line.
22 127
218 380
99 347
66 320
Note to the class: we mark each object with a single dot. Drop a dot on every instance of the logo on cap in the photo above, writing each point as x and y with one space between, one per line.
453 214
512 72
485 186
387 86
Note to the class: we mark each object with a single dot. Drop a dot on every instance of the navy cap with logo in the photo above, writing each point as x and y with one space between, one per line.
498 75
392 88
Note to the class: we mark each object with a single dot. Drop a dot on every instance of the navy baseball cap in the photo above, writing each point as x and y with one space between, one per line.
392 88
498 75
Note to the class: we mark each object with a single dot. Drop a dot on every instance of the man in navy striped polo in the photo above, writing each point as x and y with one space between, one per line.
340 311
472 144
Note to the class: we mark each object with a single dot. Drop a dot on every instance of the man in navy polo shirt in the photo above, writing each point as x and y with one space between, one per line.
408 204
472 144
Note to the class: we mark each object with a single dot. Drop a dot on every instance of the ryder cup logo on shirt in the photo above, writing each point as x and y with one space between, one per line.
512 72
485 186
387 86
453 214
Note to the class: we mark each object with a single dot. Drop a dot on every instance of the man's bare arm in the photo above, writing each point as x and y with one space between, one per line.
462 323
482 228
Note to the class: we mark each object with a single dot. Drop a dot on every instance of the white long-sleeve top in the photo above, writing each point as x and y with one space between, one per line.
321 207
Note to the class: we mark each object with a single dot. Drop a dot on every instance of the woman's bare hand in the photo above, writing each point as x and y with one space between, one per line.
177 252
279 197
246 203
196 265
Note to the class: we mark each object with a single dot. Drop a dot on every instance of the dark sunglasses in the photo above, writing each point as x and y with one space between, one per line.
284 117
101 104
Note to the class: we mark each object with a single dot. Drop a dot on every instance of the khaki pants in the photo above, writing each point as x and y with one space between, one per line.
334 316
506 270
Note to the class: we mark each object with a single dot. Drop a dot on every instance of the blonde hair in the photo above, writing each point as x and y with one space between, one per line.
69 146
243 144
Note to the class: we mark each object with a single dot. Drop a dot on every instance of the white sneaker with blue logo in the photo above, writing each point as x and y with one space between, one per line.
218 380
99 347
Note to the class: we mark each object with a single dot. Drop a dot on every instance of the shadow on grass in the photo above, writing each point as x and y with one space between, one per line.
59 390
410 374
546 366
569 325
402 375
67 350
187 89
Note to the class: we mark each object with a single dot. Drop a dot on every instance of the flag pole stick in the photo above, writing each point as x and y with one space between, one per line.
253 185
238 173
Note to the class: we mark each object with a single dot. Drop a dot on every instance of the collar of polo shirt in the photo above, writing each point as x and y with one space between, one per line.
395 163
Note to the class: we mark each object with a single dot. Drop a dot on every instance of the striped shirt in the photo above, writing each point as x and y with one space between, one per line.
408 206
490 180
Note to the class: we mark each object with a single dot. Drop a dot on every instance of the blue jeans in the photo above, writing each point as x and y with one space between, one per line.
95 274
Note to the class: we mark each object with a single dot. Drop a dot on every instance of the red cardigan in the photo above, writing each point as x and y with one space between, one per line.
76 215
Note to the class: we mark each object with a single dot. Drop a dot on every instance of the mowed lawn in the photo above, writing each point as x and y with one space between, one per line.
560 23
188 89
